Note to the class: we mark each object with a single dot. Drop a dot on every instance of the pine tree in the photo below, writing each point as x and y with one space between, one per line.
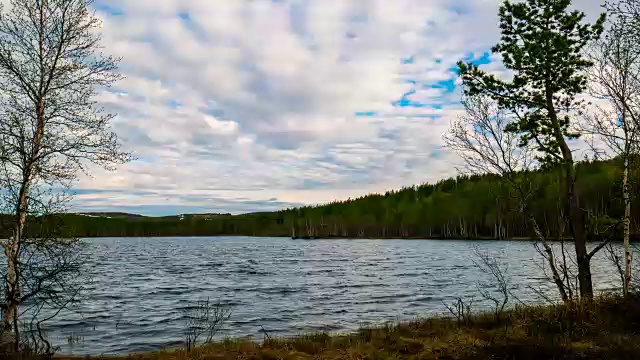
542 44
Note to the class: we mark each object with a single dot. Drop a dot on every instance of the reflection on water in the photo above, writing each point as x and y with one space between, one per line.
139 285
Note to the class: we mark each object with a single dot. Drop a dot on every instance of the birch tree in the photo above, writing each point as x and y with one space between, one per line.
51 128
615 77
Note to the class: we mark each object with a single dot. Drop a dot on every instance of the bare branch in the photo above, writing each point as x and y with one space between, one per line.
203 319
480 138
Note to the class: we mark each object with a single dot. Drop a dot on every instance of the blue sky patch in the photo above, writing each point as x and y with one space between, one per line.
447 85
484 59
409 60
405 101
366 113
108 8
184 16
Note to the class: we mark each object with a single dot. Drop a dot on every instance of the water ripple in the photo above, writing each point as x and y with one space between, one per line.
135 299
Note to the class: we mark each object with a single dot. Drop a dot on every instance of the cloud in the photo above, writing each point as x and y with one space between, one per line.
301 101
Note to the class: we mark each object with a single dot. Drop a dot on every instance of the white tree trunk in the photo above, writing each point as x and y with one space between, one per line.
9 310
627 225
12 252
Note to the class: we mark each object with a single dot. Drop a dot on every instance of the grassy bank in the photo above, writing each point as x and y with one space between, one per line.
604 329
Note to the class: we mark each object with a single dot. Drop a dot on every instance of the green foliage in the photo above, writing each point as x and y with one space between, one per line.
462 207
542 44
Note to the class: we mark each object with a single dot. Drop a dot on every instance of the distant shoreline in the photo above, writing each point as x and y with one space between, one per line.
306 238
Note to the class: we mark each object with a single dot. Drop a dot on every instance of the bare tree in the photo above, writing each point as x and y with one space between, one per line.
51 279
499 290
615 77
628 9
51 128
462 311
204 319
480 138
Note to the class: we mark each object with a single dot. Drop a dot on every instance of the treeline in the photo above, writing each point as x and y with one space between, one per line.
475 207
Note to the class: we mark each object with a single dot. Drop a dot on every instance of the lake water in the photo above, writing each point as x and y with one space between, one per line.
140 285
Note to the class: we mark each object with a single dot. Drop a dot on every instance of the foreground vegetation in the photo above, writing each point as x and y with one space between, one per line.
603 329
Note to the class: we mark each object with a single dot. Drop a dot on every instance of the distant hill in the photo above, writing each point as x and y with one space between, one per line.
110 215
461 207
205 216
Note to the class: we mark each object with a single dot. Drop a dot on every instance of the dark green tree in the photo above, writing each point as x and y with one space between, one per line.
542 44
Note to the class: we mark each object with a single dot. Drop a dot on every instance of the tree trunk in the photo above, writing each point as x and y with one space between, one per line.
10 308
12 250
579 235
498 225
576 221
627 225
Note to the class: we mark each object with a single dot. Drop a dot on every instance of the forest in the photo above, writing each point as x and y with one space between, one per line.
475 207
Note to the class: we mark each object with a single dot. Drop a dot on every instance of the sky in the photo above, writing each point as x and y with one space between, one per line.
255 105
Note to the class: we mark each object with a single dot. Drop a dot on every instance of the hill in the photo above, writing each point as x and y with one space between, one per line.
110 215
478 206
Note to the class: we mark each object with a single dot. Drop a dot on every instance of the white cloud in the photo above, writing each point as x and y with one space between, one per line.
220 126
257 99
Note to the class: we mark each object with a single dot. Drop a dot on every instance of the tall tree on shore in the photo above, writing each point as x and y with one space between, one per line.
480 138
542 43
615 77
50 129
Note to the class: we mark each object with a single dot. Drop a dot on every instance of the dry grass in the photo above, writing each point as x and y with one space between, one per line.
603 329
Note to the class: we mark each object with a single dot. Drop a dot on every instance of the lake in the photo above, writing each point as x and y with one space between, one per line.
139 285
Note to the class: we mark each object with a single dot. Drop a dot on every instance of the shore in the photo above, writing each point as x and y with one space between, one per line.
330 237
606 328
417 237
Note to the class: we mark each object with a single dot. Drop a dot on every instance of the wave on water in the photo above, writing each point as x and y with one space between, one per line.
135 300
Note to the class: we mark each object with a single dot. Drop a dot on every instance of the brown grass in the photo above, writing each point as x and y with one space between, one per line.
602 329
